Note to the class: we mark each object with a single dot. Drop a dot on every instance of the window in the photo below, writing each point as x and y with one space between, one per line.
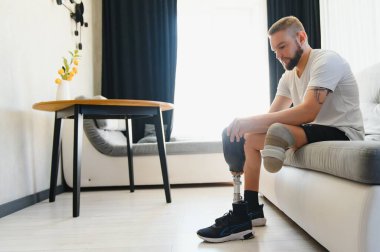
222 65
356 39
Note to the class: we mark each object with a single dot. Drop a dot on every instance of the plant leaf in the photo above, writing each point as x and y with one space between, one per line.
66 64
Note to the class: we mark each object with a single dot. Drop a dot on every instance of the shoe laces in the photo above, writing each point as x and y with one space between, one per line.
225 219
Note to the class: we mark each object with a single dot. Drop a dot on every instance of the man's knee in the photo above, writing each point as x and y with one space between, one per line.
253 141
278 139
233 152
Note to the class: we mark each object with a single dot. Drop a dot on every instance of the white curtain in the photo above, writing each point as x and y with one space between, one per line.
352 28
222 65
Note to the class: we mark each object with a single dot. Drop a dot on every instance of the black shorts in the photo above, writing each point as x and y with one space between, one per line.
319 133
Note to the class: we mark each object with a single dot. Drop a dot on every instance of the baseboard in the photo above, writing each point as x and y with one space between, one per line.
19 204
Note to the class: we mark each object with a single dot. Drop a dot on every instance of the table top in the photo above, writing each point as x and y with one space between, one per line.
62 104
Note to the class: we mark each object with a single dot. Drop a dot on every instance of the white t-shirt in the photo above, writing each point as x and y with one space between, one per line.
328 69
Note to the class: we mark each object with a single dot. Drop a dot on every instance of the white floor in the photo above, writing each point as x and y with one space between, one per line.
142 221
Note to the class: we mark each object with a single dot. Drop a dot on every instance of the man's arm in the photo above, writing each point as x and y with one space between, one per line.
305 112
280 103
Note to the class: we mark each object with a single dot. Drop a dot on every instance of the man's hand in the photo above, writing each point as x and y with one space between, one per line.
238 128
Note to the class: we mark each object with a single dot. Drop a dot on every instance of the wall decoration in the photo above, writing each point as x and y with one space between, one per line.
76 9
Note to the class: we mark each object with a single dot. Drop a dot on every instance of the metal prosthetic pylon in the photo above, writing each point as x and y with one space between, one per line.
237 183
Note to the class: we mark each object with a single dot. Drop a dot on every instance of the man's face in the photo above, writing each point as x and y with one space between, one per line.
287 49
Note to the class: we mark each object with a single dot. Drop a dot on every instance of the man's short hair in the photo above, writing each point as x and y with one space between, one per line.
292 23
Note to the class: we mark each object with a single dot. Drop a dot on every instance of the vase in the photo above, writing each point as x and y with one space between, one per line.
63 91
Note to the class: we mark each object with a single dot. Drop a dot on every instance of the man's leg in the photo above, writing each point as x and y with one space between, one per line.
236 224
279 138
235 158
254 143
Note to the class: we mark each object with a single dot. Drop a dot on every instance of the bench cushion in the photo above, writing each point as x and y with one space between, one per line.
108 142
354 160
180 148
114 143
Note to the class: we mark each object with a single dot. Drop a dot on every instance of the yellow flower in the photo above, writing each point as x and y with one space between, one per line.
68 63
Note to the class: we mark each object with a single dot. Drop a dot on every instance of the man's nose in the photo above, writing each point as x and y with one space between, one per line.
278 55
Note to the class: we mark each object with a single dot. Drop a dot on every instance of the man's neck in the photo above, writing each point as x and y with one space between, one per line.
303 61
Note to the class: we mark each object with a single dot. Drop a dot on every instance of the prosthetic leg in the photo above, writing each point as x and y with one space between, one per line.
235 158
236 224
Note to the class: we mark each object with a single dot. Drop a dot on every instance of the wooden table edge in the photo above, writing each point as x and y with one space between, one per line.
62 104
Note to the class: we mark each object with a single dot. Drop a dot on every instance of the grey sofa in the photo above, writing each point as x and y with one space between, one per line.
332 189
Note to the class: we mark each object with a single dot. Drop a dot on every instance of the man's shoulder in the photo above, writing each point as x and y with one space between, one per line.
327 59
324 54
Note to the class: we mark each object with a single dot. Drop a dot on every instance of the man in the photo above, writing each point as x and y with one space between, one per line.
324 94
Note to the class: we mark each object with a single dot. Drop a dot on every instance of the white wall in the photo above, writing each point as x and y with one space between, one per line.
35 35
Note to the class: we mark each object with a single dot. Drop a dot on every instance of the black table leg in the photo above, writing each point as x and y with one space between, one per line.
162 153
55 157
130 157
78 133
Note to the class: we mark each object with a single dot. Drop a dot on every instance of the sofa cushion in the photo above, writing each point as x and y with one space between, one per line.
354 160
372 137
369 90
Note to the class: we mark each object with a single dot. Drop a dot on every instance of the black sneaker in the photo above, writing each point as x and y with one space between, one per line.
234 225
257 217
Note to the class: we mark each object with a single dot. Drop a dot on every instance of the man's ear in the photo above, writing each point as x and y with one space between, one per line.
302 37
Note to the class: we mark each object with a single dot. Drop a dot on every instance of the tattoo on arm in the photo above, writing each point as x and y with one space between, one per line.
318 91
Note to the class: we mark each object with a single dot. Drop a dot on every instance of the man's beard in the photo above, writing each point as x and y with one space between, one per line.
294 61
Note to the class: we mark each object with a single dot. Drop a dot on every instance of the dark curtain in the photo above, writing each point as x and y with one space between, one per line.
139 54
307 11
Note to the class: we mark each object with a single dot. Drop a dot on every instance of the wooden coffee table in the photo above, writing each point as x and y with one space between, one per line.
102 109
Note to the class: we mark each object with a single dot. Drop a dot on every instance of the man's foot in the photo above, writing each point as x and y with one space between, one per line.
234 225
257 217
